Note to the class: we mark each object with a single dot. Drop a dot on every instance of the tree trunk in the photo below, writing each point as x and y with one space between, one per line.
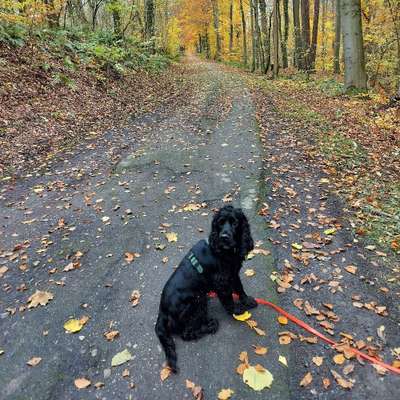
266 35
314 40
353 46
336 44
285 33
323 29
231 27
149 19
260 48
215 10
244 33
298 47
253 37
275 39
305 33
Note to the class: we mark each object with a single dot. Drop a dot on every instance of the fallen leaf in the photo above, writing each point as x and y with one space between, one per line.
242 317
243 357
259 331
307 379
121 358
225 394
135 297
257 380
129 257
351 269
165 373
326 382
171 236
111 335
82 383
348 369
192 207
241 367
282 320
318 360
260 350
249 272
99 385
75 325
34 361
341 381
105 219
339 359
125 373
197 391
3 270
39 298
297 246
330 231
285 339
282 360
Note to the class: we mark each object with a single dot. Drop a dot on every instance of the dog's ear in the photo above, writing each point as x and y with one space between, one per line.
213 238
246 241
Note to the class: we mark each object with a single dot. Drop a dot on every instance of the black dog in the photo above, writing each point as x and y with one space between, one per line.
212 266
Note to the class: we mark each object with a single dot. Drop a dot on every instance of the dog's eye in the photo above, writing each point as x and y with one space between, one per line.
233 222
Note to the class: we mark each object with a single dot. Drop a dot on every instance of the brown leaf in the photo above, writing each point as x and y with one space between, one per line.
82 383
241 367
326 382
318 360
197 391
243 357
307 379
135 297
165 373
285 339
352 269
341 381
252 324
259 331
39 298
348 369
111 335
129 257
260 350
34 361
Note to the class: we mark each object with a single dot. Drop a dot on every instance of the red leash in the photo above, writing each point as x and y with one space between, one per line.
310 329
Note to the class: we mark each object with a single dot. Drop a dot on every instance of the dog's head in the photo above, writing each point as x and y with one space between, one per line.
230 232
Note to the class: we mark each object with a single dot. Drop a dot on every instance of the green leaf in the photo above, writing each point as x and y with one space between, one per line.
257 380
121 358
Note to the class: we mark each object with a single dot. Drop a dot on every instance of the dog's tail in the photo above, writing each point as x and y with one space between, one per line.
166 340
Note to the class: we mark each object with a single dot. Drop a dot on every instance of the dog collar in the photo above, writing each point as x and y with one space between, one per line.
195 262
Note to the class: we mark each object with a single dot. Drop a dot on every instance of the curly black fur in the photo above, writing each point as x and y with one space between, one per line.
183 306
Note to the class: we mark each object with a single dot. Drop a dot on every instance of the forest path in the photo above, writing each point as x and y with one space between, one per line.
90 210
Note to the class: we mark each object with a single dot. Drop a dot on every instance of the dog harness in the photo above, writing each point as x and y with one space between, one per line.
195 262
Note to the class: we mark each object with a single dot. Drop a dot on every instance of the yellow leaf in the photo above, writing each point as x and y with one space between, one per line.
242 317
192 207
330 231
297 246
257 380
282 360
225 394
171 236
75 325
317 360
82 383
249 272
39 298
307 379
339 359
282 320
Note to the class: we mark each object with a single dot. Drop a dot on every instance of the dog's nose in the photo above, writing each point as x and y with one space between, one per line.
225 236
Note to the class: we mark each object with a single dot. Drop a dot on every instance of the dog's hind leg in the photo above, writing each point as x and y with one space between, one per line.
167 342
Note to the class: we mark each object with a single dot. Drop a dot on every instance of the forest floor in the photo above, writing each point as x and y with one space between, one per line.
116 212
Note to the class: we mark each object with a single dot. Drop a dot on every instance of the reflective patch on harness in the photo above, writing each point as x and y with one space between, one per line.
195 262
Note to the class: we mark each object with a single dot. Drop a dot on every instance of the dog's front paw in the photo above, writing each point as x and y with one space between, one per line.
239 309
249 302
